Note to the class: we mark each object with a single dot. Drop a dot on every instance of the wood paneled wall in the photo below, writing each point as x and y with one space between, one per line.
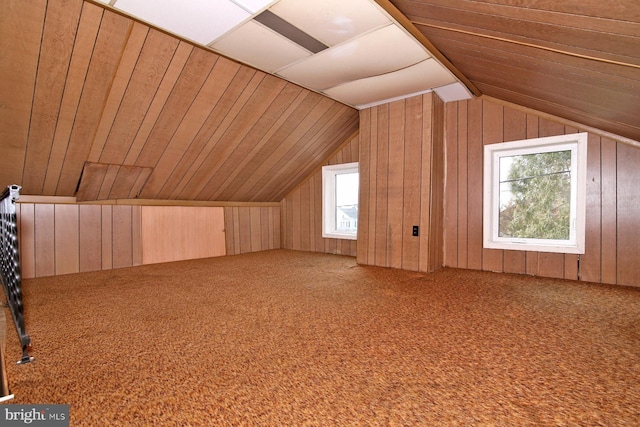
251 228
60 239
302 210
64 238
613 201
401 184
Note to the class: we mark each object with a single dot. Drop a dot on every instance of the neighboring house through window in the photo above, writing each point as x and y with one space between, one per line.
340 201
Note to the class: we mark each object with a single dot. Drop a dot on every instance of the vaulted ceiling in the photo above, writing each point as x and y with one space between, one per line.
99 105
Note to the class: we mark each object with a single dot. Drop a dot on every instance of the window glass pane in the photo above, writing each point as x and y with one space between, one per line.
535 196
347 202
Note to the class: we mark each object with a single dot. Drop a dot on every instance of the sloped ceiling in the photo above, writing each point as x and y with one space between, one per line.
96 104
575 59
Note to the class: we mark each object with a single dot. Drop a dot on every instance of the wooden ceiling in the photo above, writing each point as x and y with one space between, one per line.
575 59
96 103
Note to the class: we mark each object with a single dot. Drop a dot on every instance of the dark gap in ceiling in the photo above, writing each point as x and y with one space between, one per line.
293 33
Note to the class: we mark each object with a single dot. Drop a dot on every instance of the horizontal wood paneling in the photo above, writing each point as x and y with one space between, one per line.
401 184
86 84
613 207
302 210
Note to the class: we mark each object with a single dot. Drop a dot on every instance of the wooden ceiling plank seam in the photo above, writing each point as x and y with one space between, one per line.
578 66
125 181
251 114
18 70
343 128
92 178
297 128
148 73
175 109
543 107
598 45
581 96
208 97
312 141
192 182
144 175
105 56
84 44
572 19
176 65
108 181
126 65
59 33
229 91
534 45
235 178
203 142
626 11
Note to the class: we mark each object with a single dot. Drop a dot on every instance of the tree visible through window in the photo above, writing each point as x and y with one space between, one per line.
340 201
534 194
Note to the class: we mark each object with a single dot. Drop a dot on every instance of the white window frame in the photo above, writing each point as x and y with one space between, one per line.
329 174
577 143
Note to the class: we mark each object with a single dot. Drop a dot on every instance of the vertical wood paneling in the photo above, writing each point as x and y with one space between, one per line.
474 184
107 239
628 212
67 242
411 182
612 197
27 240
395 182
122 243
302 210
382 187
45 240
90 238
450 232
364 156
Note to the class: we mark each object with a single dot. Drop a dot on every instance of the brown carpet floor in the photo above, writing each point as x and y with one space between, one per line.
300 339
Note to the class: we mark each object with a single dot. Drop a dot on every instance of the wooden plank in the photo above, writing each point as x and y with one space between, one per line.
463 184
317 191
27 240
364 167
436 244
67 242
492 132
24 22
57 43
90 239
45 240
93 175
373 187
412 182
266 229
609 232
532 132
228 230
122 236
136 234
382 187
475 155
63 174
146 58
305 216
395 183
125 180
451 186
277 239
107 183
121 80
591 260
236 231
255 229
628 214
427 181
244 218
107 237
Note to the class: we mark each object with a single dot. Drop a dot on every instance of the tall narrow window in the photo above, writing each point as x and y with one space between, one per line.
535 194
340 201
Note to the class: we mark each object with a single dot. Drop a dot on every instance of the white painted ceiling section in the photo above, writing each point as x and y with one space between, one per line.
367 57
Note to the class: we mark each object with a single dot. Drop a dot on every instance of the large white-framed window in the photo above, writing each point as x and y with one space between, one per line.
340 201
535 194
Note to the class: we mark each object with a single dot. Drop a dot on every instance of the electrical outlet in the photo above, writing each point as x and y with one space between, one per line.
416 230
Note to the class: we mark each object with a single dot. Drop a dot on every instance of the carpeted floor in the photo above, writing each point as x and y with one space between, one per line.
299 339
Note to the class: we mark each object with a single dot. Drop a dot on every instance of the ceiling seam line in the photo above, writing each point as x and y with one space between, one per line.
550 49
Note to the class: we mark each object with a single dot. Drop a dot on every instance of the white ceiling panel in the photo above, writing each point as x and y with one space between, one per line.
378 52
201 21
332 21
260 47
253 6
453 92
407 82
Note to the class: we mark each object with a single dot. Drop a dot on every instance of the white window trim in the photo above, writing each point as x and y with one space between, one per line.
577 143
329 200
